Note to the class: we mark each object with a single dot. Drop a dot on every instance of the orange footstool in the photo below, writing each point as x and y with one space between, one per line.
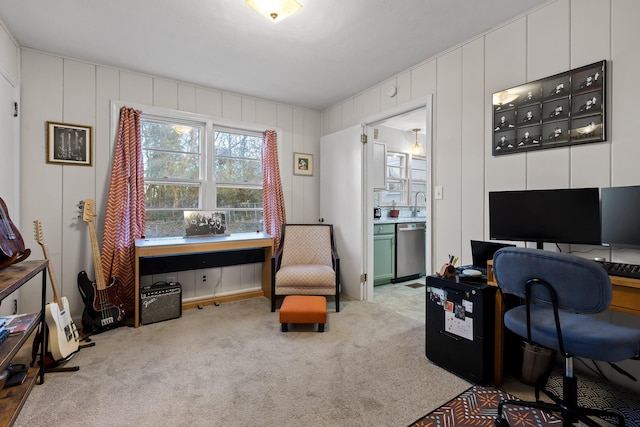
303 309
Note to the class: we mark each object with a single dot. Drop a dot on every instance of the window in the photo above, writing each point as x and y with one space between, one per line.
404 182
191 165
418 178
397 182
238 179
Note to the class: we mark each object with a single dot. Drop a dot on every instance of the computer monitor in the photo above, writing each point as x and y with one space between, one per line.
621 216
552 216
481 252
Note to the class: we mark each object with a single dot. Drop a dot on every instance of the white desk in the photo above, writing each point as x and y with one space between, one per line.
180 245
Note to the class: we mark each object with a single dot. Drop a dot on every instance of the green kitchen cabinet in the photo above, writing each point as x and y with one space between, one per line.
384 253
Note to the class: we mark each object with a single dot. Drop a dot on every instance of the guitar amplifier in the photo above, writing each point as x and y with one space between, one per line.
160 302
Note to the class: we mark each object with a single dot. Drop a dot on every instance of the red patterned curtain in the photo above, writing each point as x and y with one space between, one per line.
272 197
125 213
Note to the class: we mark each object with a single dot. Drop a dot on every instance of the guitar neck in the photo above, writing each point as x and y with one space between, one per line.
45 251
100 283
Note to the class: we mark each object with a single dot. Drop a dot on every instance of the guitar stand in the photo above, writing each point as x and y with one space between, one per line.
55 366
52 365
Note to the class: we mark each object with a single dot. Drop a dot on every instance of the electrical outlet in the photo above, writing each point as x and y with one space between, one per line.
171 279
204 278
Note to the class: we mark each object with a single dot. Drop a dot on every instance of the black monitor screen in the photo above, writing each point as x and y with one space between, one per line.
553 216
621 216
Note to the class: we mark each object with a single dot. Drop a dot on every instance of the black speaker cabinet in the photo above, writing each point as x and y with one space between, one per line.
160 302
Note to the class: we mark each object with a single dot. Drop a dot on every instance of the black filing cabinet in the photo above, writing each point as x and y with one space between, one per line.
460 327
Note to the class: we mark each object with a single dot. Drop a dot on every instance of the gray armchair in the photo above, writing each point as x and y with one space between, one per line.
306 263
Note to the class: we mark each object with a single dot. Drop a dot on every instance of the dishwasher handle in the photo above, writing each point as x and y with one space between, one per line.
408 228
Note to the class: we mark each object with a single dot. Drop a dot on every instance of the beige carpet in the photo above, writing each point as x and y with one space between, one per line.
231 366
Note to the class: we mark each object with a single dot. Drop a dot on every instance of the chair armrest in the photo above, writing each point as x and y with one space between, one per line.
275 259
335 259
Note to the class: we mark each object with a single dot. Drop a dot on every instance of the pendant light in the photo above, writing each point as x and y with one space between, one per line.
416 148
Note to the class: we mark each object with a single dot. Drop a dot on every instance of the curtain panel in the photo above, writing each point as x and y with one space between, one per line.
272 196
125 212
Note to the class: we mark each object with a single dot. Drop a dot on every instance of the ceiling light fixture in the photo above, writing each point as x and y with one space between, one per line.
416 149
275 10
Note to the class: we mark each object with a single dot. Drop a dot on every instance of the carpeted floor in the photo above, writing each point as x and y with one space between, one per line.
477 407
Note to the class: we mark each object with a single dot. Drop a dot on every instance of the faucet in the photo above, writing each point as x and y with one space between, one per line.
415 203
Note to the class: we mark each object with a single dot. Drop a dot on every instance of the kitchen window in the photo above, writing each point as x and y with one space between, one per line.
418 177
397 182
198 165
406 175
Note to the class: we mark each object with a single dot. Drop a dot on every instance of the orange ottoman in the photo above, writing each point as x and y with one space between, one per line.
303 309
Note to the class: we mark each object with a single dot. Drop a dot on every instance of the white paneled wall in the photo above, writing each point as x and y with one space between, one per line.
10 144
562 35
557 37
70 91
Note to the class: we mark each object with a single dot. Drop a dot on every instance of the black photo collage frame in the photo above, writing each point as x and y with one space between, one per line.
561 110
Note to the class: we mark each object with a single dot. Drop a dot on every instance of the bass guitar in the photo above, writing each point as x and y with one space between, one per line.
63 334
103 308
11 244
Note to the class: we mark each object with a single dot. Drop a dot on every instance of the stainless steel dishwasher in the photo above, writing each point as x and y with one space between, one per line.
410 250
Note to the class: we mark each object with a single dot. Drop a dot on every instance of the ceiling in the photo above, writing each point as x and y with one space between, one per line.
327 52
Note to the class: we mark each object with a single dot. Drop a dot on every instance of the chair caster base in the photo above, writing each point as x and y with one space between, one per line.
501 422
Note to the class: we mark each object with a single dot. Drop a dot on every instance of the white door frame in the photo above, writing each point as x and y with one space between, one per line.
423 102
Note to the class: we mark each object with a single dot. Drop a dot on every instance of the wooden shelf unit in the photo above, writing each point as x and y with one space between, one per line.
12 399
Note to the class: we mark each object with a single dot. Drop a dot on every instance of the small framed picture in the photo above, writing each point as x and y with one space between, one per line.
205 223
69 144
302 164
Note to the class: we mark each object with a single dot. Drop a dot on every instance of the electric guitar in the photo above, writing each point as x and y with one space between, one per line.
12 248
103 308
63 335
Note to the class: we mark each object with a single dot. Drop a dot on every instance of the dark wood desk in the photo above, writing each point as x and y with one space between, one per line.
625 299
177 246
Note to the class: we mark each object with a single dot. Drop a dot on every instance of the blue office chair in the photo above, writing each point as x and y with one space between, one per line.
559 291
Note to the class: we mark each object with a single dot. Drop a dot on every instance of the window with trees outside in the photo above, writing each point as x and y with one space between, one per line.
191 165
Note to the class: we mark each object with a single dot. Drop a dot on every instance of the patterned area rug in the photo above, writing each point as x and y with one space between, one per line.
478 406
594 393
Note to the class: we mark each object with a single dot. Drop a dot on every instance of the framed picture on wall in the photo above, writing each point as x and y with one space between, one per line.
560 110
69 144
302 164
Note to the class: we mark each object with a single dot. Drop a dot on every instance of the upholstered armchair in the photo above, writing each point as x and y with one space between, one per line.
306 263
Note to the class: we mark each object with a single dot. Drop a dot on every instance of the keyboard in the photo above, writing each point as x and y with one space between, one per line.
621 269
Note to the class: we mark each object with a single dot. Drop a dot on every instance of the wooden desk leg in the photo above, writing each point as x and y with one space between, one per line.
266 272
499 340
136 290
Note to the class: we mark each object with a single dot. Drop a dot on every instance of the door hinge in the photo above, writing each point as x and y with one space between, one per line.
363 278
15 109
363 138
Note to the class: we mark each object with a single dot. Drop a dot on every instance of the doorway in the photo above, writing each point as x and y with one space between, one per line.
346 192
399 130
